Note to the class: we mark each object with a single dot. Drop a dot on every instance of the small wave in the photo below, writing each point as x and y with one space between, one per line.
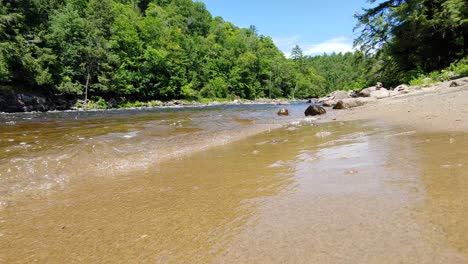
101 151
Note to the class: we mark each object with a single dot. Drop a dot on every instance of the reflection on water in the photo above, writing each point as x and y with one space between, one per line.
444 160
40 151
332 193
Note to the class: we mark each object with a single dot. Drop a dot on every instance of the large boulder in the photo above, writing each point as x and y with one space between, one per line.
380 93
366 92
325 98
22 101
329 103
350 102
333 97
338 95
314 110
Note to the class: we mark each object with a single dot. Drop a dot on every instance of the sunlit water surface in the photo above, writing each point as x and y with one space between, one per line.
229 185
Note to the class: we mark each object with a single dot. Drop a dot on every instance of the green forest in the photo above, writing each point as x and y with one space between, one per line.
175 49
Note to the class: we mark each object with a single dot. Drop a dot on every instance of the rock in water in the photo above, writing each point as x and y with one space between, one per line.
283 112
314 110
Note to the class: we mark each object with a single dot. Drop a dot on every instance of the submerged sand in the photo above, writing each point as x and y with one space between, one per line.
388 188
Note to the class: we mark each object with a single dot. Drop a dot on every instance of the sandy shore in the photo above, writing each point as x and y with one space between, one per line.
438 108
393 191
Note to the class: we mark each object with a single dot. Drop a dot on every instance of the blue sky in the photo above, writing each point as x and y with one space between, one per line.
317 26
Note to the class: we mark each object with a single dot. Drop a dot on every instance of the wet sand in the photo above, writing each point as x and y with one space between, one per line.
390 188
337 193
434 109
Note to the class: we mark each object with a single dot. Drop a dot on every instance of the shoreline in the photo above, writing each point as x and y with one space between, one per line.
437 108
290 180
24 101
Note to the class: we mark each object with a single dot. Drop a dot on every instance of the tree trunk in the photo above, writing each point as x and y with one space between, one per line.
86 88
465 39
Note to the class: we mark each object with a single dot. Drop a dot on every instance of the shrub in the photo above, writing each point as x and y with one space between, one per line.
460 68
131 104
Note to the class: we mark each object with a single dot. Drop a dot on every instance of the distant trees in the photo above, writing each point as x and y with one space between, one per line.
145 49
348 71
161 49
151 49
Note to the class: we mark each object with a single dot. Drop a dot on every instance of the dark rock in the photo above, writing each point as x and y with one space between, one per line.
19 101
453 84
112 103
283 112
353 94
314 110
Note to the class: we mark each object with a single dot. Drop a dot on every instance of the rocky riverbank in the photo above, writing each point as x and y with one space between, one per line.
438 108
23 100
350 99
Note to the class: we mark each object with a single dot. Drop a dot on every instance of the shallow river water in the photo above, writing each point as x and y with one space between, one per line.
231 184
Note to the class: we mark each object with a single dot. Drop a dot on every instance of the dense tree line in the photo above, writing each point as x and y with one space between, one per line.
142 49
175 49
348 71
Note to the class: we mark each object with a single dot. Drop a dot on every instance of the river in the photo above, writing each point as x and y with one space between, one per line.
227 184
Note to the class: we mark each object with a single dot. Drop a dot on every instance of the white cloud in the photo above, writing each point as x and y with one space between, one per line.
337 45
340 44
285 44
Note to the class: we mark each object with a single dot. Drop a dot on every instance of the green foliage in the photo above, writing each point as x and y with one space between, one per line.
460 68
347 71
134 104
143 50
209 100
413 37
161 50
98 103
431 78
421 81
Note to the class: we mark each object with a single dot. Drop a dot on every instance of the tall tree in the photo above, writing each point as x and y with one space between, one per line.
415 35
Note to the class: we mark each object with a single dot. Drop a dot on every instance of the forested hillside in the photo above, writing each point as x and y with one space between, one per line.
162 49
146 50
